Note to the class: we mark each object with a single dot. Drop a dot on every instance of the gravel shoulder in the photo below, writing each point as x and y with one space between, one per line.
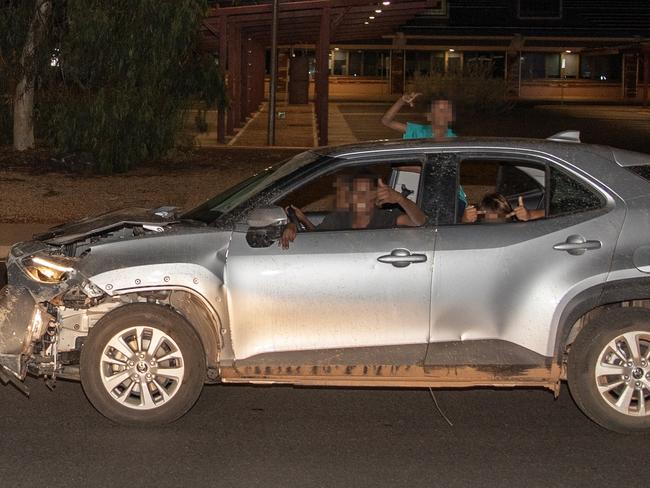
34 188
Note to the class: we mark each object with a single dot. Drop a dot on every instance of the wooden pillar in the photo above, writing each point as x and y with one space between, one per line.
253 79
234 78
322 76
397 69
258 60
223 57
513 74
646 75
245 79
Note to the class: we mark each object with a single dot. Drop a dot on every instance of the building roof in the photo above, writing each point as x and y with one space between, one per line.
300 19
566 18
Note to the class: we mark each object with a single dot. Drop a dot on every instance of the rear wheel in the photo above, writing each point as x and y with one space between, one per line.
142 364
609 370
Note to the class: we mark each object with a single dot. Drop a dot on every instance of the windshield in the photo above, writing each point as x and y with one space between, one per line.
233 197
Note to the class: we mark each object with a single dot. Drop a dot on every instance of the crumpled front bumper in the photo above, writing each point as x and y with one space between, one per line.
20 319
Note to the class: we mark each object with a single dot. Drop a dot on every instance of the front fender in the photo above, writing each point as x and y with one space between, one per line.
192 278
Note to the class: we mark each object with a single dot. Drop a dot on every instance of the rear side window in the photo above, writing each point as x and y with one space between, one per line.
642 171
512 180
568 195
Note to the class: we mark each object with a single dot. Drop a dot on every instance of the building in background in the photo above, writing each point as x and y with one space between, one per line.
546 49
596 50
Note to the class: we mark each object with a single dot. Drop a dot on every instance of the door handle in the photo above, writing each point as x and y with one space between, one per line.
577 245
401 258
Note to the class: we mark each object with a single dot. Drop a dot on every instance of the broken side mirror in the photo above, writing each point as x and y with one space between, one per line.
265 226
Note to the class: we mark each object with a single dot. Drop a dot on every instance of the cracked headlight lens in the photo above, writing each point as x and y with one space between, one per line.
50 269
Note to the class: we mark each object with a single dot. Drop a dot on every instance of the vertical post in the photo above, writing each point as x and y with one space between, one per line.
274 74
245 78
397 75
257 76
646 77
322 76
223 56
234 77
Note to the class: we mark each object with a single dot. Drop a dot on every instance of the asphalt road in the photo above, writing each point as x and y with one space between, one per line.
245 436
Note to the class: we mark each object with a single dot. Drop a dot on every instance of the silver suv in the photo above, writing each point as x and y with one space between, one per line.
146 306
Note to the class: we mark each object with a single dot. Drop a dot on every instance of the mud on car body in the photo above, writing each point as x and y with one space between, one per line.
146 306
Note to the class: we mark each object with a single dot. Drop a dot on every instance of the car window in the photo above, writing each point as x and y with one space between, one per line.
515 180
227 200
643 171
502 184
322 200
569 195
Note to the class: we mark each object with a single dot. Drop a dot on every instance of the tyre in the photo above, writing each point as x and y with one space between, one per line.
609 372
142 364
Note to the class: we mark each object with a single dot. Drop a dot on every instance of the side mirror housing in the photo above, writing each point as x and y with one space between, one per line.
266 217
265 226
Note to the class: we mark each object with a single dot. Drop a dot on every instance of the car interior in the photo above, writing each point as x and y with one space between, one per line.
317 197
512 179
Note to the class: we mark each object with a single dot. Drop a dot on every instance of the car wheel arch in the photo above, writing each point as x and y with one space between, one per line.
205 321
593 302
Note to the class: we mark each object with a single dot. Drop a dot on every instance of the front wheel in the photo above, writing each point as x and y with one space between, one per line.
142 364
609 370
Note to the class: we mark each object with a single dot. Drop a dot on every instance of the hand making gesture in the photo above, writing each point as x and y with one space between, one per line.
385 194
409 98
520 211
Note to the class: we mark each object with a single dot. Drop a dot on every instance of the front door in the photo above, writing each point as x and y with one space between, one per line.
330 290
346 296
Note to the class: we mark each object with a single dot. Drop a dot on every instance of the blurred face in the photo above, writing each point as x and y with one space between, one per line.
493 217
364 194
441 114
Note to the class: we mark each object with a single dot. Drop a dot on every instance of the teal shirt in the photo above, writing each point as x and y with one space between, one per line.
424 131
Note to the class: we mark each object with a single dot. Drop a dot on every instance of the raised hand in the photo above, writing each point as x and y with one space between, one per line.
409 98
521 212
470 214
385 194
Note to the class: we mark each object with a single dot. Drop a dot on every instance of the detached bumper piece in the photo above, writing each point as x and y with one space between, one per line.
21 319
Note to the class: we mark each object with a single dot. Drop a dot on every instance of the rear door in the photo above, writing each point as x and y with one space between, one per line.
497 287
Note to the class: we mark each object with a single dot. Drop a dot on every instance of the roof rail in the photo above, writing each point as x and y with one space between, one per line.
565 136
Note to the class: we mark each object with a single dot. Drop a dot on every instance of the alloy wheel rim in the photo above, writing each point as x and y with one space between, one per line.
622 373
142 368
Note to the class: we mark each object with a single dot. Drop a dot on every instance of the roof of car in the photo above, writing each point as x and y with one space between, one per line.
630 158
544 145
564 150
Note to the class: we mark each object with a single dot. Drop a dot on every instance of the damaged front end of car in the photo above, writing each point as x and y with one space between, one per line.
40 279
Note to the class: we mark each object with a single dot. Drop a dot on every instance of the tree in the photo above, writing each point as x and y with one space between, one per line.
128 69
109 78
25 25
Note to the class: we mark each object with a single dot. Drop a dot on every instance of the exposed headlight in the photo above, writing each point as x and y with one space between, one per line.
50 269
38 324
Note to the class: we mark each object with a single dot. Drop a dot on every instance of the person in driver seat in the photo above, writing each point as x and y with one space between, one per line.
359 198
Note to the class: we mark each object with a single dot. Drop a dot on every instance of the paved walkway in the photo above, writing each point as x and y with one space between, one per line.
340 131
294 127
